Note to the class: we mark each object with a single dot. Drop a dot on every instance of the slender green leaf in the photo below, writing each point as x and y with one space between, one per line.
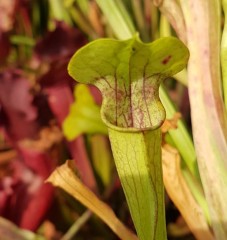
22 40
140 19
58 11
118 18
180 136
84 6
74 229
102 158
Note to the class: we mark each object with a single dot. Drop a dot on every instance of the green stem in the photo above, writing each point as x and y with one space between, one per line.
59 12
182 141
140 20
77 225
117 14
82 21
138 161
165 29
180 136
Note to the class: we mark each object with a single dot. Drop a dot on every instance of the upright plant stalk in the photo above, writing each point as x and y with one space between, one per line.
209 118
138 160
129 74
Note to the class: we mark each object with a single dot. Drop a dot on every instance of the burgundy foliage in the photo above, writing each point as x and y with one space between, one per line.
25 108
5 46
63 41
16 106
24 198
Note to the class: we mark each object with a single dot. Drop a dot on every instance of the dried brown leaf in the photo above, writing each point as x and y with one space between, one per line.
180 194
171 123
65 178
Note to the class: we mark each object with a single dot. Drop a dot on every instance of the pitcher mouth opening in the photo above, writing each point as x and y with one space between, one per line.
135 128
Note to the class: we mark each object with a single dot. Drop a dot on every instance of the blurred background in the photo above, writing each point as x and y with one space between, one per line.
37 39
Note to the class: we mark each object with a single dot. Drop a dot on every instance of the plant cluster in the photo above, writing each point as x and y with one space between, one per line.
154 106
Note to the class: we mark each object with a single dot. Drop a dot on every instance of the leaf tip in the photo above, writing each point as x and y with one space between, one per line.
54 177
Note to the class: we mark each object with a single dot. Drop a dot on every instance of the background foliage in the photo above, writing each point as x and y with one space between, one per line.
47 118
